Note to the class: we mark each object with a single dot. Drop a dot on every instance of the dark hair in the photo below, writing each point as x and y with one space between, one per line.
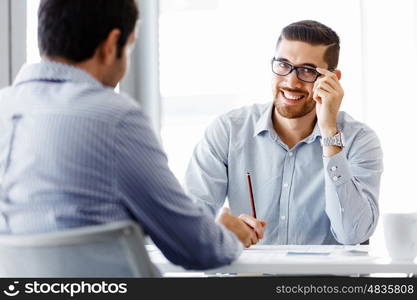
314 33
73 29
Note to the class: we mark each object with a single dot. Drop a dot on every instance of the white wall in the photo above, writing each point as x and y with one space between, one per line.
391 103
390 52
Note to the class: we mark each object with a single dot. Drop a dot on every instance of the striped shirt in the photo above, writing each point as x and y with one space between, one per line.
74 153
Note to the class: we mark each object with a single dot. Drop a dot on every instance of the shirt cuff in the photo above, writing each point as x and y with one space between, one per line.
337 168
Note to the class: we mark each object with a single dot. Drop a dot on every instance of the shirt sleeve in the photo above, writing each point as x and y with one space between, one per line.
183 230
352 182
206 178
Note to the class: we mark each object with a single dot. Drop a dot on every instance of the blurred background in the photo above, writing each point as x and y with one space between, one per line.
197 59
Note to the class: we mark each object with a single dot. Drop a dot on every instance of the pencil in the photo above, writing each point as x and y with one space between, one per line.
252 202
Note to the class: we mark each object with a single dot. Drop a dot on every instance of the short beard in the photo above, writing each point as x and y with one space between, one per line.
290 112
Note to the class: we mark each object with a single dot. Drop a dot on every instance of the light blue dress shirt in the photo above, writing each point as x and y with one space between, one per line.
305 198
73 153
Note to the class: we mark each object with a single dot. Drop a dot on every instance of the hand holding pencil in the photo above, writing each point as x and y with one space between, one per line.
252 221
243 232
248 229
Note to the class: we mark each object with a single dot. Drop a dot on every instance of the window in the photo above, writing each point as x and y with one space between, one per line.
32 51
215 56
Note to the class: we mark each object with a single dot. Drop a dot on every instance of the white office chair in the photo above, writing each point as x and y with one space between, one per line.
110 250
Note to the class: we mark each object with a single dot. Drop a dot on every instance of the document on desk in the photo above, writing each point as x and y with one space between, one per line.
302 253
298 249
264 253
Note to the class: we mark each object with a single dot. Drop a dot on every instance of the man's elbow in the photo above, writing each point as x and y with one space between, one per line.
356 235
350 240
209 258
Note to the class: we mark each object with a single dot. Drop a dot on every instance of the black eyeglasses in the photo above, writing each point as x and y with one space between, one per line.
305 74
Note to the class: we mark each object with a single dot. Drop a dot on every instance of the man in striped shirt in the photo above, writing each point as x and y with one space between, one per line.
75 153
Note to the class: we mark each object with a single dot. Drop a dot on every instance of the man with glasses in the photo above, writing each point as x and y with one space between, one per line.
315 171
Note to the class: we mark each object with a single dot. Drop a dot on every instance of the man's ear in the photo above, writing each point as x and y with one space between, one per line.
338 74
108 48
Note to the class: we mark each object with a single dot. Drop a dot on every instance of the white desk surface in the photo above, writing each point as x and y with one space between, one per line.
300 260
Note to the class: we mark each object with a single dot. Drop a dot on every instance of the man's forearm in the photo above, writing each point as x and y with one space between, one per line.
353 216
351 200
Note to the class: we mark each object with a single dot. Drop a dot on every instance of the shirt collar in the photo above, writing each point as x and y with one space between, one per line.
264 123
53 71
313 136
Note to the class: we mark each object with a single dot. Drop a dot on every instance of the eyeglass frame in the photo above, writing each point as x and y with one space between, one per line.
296 70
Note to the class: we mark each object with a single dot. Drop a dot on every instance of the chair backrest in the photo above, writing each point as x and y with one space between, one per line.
110 250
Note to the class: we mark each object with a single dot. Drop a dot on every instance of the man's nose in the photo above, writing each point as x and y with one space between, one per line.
292 81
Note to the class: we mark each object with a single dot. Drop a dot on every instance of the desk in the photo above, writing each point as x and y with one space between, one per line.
300 260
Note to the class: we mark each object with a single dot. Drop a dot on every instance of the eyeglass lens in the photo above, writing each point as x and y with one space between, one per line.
283 69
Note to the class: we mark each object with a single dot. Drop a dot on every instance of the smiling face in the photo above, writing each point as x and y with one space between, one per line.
293 98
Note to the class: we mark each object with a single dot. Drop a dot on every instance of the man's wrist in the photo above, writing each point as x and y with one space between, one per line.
226 220
332 141
329 151
328 131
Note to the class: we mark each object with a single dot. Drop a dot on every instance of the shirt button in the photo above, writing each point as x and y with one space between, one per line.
290 154
282 217
285 185
334 168
335 178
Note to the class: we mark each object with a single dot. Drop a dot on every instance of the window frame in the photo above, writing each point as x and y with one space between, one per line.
13 41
